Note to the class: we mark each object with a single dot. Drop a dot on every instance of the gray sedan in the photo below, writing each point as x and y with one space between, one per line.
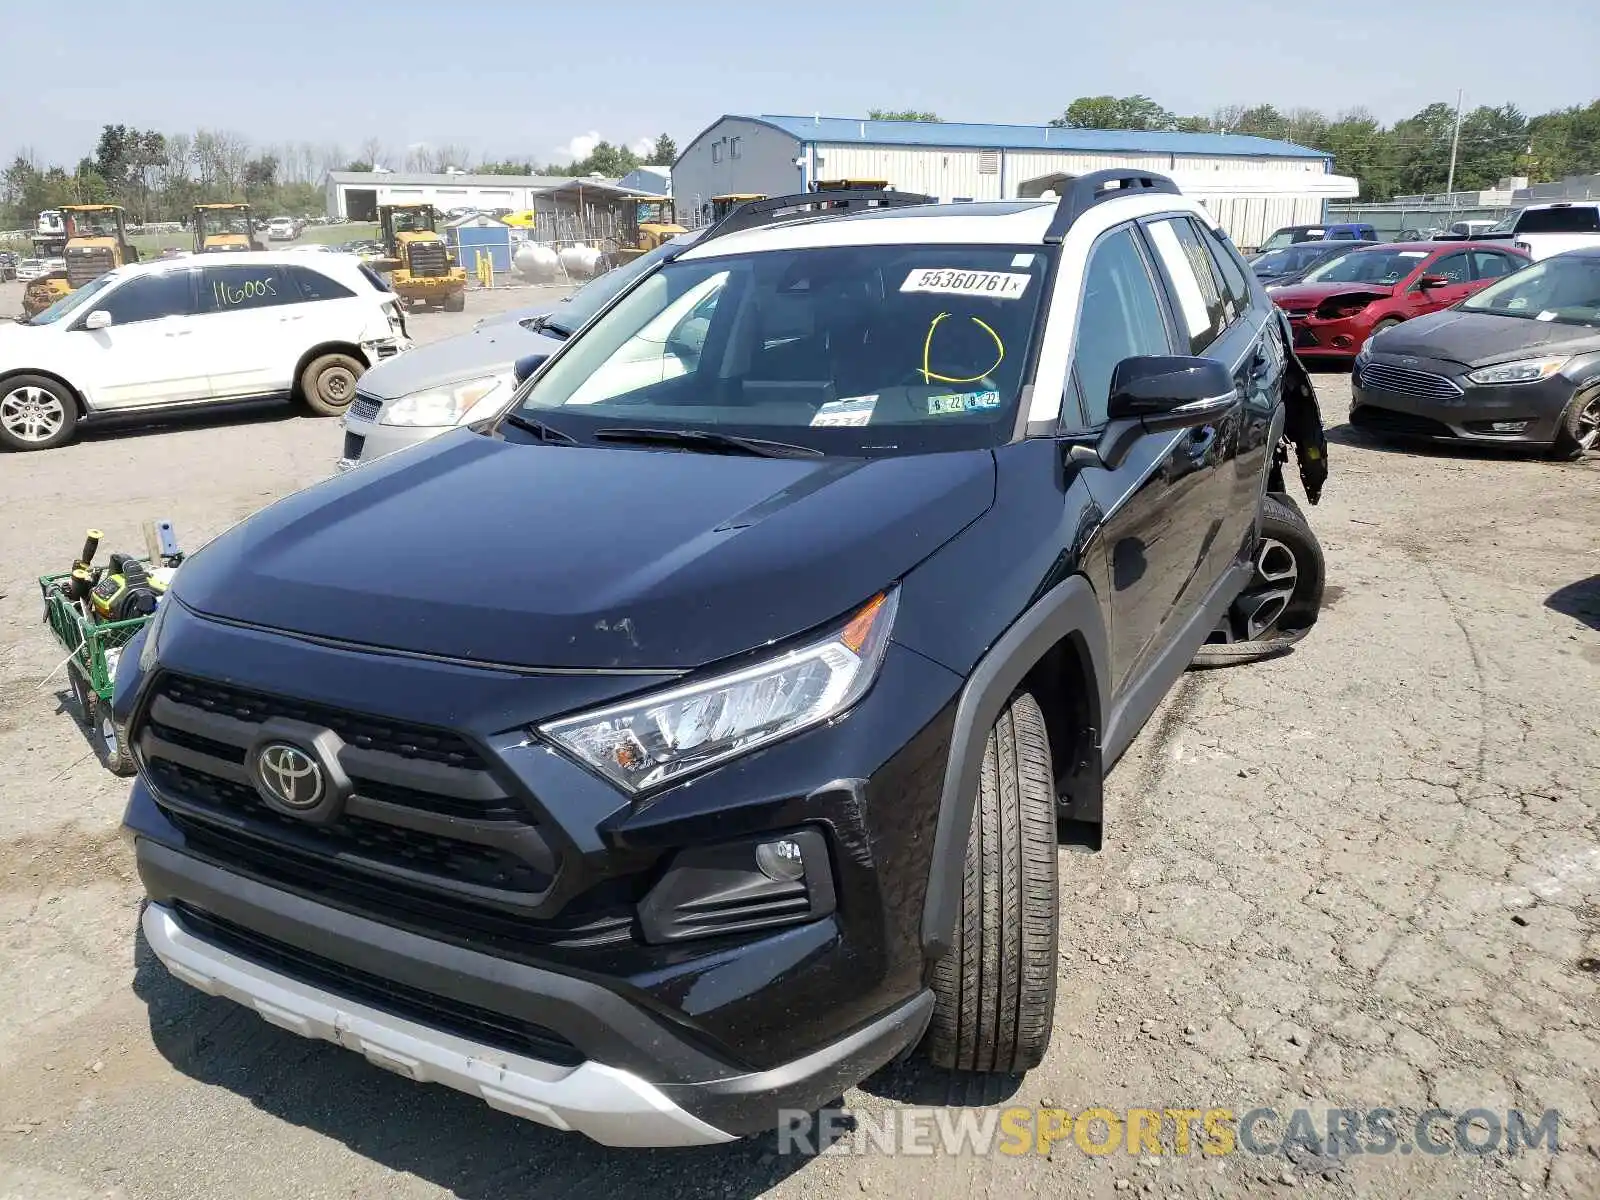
432 389
1516 364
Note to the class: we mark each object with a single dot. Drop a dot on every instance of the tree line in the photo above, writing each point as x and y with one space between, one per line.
1409 157
162 176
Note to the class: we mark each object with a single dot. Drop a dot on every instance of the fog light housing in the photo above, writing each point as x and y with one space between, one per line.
1505 427
740 886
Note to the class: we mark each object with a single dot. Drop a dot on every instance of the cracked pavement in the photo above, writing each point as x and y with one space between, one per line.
1365 874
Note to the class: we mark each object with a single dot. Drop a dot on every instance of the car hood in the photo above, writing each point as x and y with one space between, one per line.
1309 295
1478 339
486 351
470 547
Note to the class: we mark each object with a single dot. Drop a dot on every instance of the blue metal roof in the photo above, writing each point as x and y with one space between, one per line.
1031 137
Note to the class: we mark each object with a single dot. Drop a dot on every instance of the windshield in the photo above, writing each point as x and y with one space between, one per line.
412 220
848 350
214 222
93 224
1576 218
1368 266
655 212
1562 289
72 301
1291 259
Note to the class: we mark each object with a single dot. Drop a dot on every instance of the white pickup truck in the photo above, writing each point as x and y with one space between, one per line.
1543 230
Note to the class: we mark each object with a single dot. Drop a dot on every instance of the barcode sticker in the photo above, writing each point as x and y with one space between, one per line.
996 285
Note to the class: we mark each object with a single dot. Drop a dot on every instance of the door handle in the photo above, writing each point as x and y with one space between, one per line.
179 332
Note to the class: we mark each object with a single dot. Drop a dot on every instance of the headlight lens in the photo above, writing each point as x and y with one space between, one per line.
440 406
1528 370
642 743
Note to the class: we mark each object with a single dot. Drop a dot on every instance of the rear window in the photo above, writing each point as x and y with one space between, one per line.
314 285
1580 218
376 280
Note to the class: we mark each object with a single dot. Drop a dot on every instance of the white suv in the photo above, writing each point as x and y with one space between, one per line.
282 229
190 332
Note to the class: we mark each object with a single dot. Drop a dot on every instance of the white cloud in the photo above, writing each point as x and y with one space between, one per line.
642 146
580 147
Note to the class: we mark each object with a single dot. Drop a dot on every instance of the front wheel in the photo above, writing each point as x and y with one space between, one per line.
36 413
995 990
1579 431
455 302
328 384
111 743
1281 602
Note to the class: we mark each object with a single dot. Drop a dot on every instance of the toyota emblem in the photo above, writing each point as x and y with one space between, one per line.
289 776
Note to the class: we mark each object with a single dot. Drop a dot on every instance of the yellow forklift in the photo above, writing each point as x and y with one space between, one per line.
223 227
97 242
416 260
647 222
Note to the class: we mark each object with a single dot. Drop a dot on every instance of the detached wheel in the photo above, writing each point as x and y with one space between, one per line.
1579 432
1281 602
455 302
995 991
328 384
36 413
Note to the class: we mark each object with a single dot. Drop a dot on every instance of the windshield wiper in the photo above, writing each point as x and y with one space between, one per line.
545 433
545 325
707 441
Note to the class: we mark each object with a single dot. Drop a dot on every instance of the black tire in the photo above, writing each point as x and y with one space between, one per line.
995 991
1579 431
328 384
36 413
455 302
1253 627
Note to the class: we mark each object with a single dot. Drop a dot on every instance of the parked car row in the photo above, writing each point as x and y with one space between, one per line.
192 332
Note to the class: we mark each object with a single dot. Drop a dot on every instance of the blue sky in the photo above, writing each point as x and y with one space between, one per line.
526 79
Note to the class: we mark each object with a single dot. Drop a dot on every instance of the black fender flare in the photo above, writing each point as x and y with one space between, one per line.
1071 608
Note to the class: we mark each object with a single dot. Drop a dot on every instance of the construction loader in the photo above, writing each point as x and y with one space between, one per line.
97 242
223 227
416 259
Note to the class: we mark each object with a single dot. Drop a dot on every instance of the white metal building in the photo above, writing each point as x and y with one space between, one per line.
355 195
1253 184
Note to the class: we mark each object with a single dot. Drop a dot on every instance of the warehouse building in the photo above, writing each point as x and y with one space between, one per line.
355 195
1254 185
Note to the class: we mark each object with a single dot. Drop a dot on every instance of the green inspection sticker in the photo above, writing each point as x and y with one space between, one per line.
961 402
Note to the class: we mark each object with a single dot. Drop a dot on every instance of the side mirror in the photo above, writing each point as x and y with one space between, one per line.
527 365
1433 281
1154 394
98 319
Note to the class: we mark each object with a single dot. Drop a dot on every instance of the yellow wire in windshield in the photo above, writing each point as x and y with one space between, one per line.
929 375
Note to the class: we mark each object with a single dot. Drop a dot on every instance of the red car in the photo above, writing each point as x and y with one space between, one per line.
1339 305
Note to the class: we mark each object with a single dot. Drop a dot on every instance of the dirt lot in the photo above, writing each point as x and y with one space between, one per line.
1364 875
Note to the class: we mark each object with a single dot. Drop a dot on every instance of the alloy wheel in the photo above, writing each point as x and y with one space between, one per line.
1587 433
31 414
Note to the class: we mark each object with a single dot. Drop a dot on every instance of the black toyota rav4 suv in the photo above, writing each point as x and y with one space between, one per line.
693 739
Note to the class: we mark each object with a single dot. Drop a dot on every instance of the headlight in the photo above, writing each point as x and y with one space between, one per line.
440 406
645 742
1528 370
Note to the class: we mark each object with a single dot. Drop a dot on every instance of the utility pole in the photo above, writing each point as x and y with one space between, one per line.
1455 142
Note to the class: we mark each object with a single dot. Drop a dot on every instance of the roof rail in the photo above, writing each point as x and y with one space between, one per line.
773 209
1083 192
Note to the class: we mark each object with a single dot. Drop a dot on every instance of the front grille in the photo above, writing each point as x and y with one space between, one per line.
1424 385
85 266
428 259
449 1016
365 408
1303 338
1385 420
424 815
354 444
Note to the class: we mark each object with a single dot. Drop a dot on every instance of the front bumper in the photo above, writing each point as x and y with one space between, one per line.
1339 338
615 1072
1432 399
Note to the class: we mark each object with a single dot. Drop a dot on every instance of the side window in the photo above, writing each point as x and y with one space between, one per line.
1489 265
1195 284
241 288
734 147
1454 267
1235 286
314 285
149 298
1120 318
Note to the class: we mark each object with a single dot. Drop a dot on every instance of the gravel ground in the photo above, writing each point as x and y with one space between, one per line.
1366 874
